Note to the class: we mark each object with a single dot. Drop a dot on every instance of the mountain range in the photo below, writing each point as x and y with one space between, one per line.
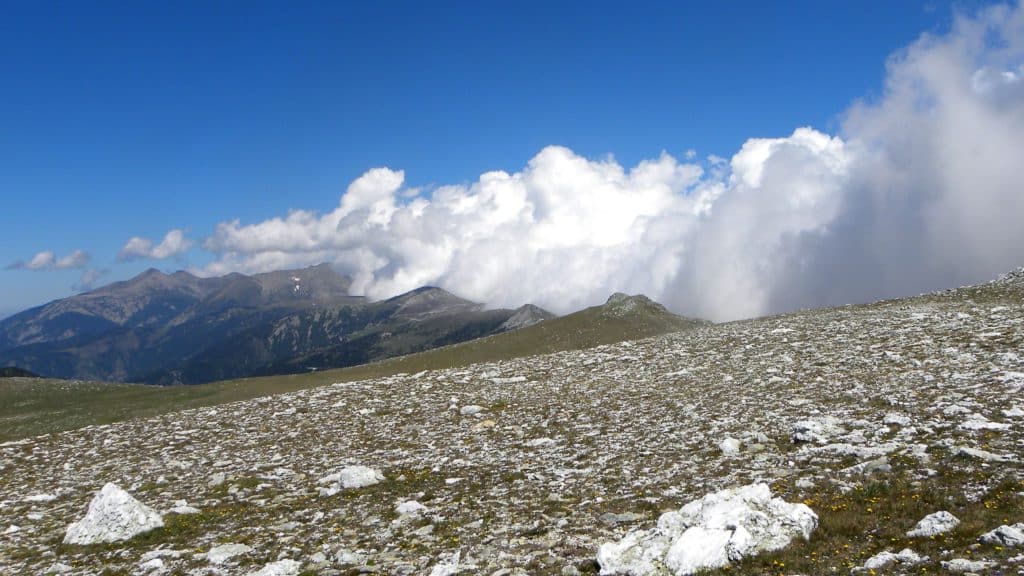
176 328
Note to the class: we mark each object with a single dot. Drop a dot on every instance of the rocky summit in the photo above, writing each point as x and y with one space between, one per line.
825 435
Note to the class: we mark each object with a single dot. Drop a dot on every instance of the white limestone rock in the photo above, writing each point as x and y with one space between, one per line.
448 567
965 565
979 422
817 430
182 507
932 524
896 419
113 515
410 508
979 454
729 446
279 568
905 557
709 533
150 565
224 552
350 477
1005 535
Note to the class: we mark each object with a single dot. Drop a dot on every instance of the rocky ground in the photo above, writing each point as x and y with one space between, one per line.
873 416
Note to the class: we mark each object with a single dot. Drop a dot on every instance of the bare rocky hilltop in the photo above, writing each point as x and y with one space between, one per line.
891 435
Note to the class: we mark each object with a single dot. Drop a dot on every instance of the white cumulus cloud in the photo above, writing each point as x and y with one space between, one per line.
920 189
48 260
173 244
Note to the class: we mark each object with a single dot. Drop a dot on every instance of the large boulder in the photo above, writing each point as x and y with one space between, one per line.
113 516
709 533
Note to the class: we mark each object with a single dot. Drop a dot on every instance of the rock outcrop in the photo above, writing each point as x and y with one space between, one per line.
1005 535
712 532
113 515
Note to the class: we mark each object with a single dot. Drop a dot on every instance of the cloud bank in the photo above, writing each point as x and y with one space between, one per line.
173 244
47 260
921 189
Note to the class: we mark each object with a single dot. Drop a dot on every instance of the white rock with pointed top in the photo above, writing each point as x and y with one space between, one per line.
709 533
113 515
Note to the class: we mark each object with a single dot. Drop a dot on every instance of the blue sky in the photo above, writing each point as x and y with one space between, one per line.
123 120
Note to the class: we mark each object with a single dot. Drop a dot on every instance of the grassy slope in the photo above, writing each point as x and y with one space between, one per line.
29 407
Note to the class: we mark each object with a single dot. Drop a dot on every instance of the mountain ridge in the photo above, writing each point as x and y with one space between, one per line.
180 328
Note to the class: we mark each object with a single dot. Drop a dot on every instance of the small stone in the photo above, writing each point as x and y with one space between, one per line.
883 559
224 552
612 519
152 564
182 507
410 507
893 418
729 446
348 478
279 568
964 565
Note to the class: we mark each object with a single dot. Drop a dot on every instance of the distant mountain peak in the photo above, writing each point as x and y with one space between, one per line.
431 301
620 305
526 315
